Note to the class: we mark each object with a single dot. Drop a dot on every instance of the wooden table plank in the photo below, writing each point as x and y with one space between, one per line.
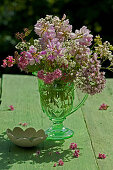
100 124
21 92
0 88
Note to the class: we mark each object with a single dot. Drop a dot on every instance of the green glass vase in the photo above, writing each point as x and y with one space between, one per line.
57 102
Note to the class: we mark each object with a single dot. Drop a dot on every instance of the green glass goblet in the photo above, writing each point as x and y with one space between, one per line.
57 102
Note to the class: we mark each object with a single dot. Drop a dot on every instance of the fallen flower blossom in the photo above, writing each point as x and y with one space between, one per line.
101 156
37 153
57 152
73 146
55 165
76 153
60 162
11 107
24 124
103 107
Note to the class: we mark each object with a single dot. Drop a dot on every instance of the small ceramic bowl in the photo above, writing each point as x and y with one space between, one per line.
28 138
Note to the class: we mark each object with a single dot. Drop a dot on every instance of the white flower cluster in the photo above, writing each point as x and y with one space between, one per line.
104 50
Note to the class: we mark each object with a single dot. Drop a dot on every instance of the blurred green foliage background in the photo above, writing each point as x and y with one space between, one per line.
16 15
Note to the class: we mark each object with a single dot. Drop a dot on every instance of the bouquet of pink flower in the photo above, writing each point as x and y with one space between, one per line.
60 55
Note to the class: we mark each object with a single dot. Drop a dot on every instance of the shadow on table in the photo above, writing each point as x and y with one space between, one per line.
10 153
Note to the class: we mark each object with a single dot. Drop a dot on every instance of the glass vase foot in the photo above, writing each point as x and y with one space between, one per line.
61 134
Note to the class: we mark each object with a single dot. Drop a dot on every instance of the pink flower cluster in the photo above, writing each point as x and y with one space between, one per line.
29 57
73 146
62 28
76 153
103 107
54 49
90 79
101 156
32 49
9 61
60 162
49 77
53 28
61 54
85 36
45 30
23 61
67 78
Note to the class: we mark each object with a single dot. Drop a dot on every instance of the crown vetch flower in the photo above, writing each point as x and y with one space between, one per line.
54 165
76 153
11 107
103 107
58 54
101 156
60 162
73 146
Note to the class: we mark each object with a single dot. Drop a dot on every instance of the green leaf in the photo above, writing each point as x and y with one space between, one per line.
31 41
27 33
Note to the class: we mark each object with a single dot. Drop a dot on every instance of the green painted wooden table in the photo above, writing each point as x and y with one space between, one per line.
93 129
